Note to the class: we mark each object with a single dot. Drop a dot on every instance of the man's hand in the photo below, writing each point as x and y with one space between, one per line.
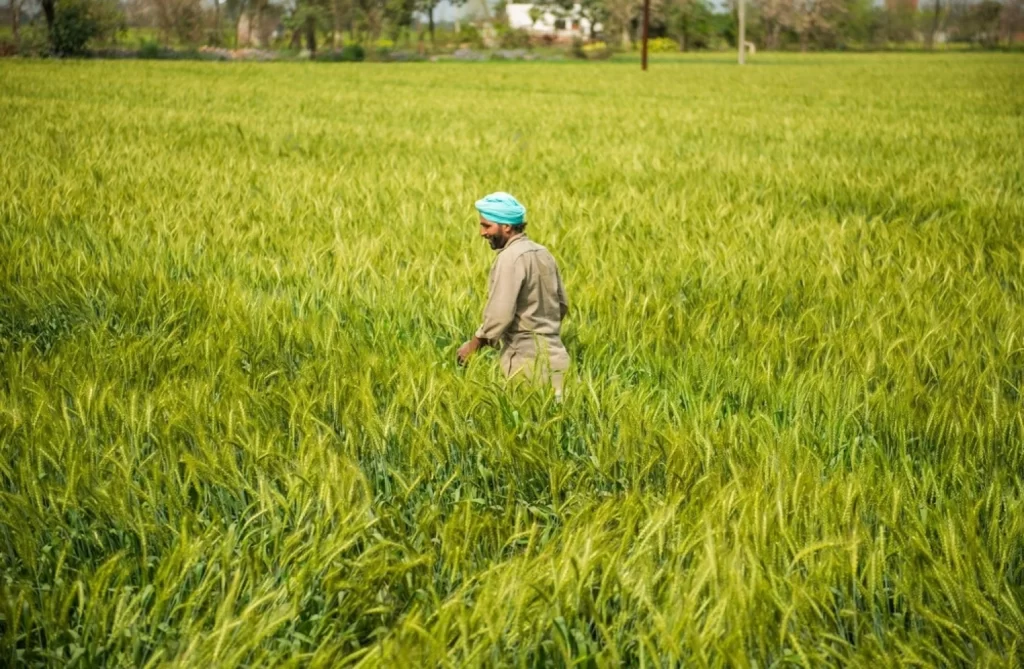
468 349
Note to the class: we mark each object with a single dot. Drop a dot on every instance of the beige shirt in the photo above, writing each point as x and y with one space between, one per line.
526 306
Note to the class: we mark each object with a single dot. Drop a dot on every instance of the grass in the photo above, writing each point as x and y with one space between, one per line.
233 434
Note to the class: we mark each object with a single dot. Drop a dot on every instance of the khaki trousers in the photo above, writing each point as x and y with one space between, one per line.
547 366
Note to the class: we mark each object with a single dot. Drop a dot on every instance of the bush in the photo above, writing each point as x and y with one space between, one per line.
577 48
76 22
35 40
591 50
469 35
72 28
150 49
350 53
353 52
514 39
662 45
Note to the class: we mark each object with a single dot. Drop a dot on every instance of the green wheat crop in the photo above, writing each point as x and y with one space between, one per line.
232 431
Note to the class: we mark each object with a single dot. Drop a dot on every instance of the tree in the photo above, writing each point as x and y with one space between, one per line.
372 13
215 37
776 16
398 14
929 39
340 10
182 19
983 22
861 22
536 14
690 21
621 14
900 20
306 17
16 19
255 20
1011 19
50 12
595 12
75 22
427 7
816 19
234 10
257 10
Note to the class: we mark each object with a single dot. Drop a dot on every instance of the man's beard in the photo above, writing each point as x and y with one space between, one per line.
497 242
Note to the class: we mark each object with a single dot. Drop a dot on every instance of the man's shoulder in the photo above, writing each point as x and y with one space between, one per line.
523 247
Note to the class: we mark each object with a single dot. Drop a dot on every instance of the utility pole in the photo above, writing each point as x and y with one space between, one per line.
743 34
647 20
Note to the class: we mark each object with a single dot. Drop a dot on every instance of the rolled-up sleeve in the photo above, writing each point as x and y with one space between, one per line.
506 281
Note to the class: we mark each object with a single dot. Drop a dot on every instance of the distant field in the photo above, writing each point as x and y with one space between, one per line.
232 432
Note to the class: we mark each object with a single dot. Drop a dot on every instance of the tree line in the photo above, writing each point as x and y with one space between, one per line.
68 26
809 24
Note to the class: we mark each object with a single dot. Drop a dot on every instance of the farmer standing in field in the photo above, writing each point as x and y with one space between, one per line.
526 302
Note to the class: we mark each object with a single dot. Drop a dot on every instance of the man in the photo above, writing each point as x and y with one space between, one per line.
526 301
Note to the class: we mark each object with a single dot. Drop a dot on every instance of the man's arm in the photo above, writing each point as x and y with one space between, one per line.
500 309
469 348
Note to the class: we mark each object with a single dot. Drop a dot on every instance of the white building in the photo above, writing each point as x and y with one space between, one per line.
521 16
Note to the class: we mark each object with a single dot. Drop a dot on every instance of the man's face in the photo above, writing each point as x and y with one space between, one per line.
496 235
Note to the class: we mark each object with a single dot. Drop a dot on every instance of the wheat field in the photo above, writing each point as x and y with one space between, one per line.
232 432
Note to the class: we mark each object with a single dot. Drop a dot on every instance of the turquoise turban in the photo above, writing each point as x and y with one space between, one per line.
501 208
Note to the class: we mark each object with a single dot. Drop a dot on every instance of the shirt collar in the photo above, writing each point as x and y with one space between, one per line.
520 237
